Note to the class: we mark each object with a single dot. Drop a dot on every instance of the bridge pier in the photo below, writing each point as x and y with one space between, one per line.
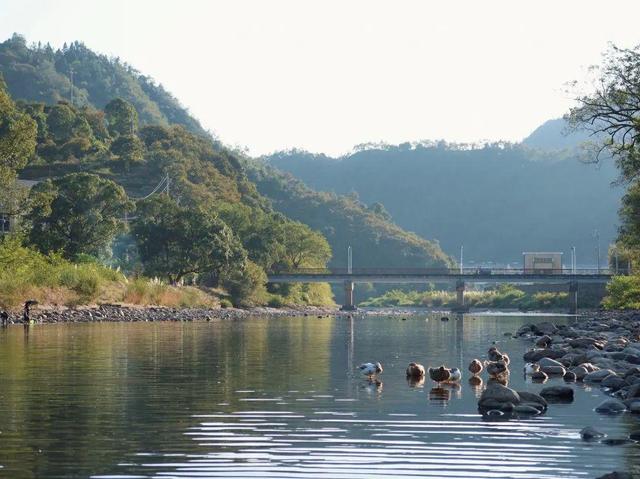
348 304
573 297
460 306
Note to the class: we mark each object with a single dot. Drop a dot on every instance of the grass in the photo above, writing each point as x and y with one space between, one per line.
505 296
52 280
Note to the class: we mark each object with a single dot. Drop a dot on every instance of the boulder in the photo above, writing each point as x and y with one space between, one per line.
616 475
527 397
554 370
535 355
539 376
545 328
557 393
580 372
496 395
633 392
544 341
526 409
569 376
613 382
634 406
611 406
549 362
525 329
585 342
589 434
597 376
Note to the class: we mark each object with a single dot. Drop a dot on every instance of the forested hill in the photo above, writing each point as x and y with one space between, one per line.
40 73
73 138
555 135
498 201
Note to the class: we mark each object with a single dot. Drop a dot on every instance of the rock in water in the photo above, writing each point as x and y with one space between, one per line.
589 434
611 406
564 393
597 376
616 475
497 396
569 376
539 376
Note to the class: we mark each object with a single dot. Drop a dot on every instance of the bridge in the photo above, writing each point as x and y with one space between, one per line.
459 276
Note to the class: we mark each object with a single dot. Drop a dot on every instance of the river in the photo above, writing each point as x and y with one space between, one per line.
280 398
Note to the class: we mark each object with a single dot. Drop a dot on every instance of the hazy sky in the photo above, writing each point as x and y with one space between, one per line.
326 75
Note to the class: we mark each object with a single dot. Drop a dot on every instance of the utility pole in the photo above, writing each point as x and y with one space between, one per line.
461 257
71 90
349 260
166 188
596 235
573 260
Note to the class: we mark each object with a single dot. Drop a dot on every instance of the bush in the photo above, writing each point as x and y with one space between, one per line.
623 292
225 303
276 302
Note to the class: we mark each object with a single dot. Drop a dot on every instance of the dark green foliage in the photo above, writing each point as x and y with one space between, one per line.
121 116
174 241
79 213
38 73
129 149
345 221
17 138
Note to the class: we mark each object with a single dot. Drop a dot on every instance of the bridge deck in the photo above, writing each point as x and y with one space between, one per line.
422 275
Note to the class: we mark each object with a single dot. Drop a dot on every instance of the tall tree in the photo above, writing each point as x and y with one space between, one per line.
17 138
121 116
174 241
611 113
79 213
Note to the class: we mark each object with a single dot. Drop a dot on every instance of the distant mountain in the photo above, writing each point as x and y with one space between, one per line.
497 201
554 135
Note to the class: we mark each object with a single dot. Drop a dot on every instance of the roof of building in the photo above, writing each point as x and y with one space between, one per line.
542 252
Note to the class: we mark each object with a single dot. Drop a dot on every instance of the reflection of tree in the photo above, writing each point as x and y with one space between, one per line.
89 395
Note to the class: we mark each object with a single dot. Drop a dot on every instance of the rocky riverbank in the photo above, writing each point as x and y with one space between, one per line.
601 349
119 313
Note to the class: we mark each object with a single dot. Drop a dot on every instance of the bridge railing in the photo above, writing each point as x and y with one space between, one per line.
475 272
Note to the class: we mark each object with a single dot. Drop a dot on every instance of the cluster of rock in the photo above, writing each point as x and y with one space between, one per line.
497 400
603 351
113 313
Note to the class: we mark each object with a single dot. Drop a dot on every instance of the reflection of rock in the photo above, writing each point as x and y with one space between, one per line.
439 394
415 382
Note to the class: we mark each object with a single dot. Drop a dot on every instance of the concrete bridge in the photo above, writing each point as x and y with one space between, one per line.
459 276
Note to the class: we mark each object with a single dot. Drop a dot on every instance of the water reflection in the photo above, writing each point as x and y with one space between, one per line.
274 398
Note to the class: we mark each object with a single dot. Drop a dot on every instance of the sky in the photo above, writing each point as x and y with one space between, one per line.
326 75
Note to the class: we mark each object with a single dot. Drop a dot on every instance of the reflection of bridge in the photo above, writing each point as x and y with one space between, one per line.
459 276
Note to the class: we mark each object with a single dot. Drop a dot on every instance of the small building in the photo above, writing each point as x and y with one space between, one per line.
543 263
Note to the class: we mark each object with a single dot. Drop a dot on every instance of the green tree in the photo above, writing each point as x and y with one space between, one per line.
611 114
304 247
17 138
129 149
121 116
174 241
79 213
61 120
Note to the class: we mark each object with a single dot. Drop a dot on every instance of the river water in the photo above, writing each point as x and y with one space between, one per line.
280 398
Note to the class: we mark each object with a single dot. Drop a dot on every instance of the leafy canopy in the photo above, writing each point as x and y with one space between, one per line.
77 214
175 241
